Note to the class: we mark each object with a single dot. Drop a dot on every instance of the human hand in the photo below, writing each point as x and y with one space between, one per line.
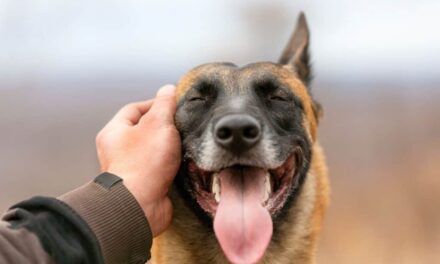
142 146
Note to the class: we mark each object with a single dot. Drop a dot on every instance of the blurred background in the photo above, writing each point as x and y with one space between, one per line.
67 66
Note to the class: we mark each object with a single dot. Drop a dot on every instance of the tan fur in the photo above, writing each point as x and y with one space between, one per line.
188 241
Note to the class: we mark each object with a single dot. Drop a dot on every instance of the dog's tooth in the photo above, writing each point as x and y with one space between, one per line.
267 187
216 187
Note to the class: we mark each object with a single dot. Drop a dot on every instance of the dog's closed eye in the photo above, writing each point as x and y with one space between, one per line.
275 97
272 91
196 98
203 91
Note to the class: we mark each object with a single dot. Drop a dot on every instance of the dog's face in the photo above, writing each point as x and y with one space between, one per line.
249 117
247 134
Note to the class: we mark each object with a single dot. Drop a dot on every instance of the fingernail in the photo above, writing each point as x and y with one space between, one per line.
168 89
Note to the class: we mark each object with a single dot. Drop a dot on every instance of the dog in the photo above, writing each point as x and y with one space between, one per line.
253 184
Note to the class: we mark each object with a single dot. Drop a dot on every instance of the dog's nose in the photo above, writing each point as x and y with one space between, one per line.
237 132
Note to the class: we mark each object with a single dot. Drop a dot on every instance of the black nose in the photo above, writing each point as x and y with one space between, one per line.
237 133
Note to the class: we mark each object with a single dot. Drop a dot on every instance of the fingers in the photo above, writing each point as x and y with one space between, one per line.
131 113
164 106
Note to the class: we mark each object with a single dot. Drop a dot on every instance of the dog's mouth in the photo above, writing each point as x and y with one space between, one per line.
207 185
242 200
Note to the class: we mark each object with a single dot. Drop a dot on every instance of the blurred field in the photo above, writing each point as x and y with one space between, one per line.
383 152
381 139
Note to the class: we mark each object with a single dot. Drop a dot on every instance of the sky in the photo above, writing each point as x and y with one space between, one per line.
350 39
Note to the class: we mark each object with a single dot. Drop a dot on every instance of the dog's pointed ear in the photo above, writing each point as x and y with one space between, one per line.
296 53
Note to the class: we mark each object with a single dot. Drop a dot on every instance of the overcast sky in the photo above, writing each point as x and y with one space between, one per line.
349 38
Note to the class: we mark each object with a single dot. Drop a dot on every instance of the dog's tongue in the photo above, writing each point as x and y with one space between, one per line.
242 225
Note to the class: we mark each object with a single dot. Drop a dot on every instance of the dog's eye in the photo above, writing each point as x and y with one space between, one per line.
279 95
277 98
271 90
197 99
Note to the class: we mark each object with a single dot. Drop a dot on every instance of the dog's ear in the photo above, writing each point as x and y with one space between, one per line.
296 53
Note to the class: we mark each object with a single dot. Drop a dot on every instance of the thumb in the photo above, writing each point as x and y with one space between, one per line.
164 105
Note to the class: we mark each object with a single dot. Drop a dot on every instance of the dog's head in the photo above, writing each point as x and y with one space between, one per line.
247 134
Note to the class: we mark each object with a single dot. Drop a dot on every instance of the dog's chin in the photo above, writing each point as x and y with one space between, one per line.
207 188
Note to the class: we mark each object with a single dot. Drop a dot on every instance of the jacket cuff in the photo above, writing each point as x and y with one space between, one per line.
115 217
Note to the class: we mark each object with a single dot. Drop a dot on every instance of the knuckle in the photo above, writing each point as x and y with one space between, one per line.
127 106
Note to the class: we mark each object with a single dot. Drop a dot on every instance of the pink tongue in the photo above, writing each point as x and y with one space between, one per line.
242 226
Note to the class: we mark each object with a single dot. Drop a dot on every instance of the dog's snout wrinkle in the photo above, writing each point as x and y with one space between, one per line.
237 132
